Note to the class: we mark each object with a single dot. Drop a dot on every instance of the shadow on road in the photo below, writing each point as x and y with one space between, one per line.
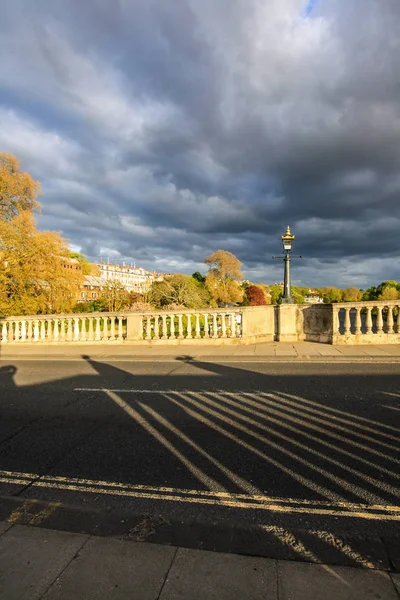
204 442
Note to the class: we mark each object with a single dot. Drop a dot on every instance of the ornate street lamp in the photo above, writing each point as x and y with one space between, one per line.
287 242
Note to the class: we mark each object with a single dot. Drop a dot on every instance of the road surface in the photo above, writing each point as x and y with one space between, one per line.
276 446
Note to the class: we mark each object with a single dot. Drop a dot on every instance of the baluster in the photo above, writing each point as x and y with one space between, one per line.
23 331
390 328
197 336
10 331
98 336
164 327
36 331
148 328
368 321
42 330
49 330
223 323
91 332
29 334
16 331
76 329
120 335
379 320
180 327
156 327
172 335
69 329
206 327
4 332
55 331
215 326
233 325
112 336
82 333
189 335
62 329
104 334
347 323
358 320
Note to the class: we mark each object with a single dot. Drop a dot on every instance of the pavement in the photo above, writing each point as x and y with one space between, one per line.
46 564
199 472
264 351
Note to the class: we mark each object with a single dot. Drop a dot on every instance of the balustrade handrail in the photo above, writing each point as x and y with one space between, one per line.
366 303
126 313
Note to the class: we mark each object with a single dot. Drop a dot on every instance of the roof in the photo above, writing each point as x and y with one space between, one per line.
95 281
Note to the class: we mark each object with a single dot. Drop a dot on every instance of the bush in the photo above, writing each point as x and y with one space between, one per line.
255 296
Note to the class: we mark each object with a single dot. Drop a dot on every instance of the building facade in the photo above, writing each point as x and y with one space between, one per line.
133 279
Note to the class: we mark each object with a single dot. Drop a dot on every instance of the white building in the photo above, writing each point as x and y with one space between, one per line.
134 279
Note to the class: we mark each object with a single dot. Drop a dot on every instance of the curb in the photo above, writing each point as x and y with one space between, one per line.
206 359
295 545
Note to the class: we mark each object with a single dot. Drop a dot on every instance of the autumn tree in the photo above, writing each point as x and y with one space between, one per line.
115 297
255 295
18 191
224 276
87 267
33 279
351 294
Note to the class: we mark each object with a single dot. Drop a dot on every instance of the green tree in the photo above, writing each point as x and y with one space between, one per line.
276 292
224 276
180 290
199 277
389 293
331 294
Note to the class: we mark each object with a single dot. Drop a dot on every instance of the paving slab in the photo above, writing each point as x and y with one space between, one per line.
376 351
114 570
209 576
352 351
302 581
306 349
4 527
396 580
32 558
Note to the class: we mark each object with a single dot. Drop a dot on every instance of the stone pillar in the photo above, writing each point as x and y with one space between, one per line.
134 328
287 323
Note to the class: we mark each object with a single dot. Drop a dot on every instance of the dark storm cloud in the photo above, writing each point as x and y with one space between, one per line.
163 131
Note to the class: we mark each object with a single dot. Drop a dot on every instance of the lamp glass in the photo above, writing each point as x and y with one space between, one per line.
287 245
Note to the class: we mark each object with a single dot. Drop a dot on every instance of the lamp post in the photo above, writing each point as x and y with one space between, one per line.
287 242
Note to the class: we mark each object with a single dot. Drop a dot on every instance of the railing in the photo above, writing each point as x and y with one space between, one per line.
95 327
366 322
212 324
344 323
188 325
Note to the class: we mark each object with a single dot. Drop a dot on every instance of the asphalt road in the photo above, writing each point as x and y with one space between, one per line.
279 445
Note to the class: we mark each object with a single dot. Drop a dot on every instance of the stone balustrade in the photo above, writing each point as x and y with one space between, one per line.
213 325
366 322
93 327
344 323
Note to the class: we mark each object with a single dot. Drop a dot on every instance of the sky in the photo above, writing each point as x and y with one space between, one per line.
164 130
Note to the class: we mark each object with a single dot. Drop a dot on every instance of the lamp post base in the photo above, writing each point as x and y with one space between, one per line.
289 300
